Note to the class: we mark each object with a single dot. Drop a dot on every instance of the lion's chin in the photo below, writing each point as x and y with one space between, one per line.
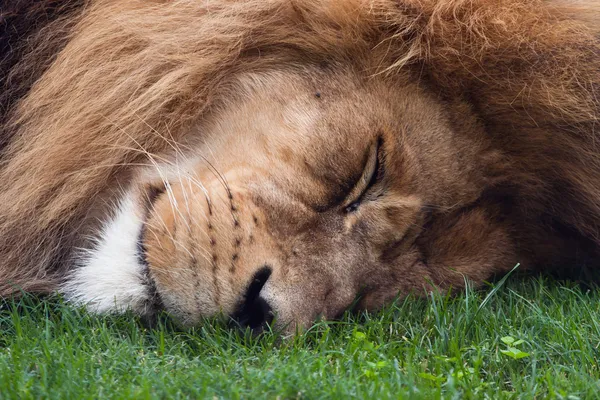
110 277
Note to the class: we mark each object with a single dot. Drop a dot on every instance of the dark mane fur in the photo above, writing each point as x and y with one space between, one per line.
32 32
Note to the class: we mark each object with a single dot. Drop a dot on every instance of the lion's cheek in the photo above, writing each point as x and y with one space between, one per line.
468 245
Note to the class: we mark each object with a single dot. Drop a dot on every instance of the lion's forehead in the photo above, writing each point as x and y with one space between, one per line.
311 138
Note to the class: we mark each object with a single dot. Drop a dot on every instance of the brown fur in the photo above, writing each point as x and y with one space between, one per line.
133 73
32 32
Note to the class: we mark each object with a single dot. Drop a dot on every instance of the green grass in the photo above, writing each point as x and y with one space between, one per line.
441 347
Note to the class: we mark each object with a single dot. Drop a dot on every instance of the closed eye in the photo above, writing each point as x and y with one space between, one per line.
371 177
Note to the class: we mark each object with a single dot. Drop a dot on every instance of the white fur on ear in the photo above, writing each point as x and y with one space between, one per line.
110 278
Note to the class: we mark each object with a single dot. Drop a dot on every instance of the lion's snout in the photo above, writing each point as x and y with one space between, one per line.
218 252
254 312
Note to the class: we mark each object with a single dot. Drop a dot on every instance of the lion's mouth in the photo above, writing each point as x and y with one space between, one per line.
153 304
141 247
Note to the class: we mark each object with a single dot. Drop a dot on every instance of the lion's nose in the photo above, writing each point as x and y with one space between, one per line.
254 312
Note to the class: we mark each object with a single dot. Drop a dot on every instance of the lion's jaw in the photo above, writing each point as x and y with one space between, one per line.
270 214
110 277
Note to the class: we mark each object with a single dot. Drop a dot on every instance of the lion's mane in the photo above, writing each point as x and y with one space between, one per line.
87 84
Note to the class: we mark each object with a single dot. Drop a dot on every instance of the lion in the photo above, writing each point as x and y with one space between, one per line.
277 162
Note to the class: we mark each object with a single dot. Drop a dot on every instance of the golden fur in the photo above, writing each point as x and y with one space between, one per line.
135 77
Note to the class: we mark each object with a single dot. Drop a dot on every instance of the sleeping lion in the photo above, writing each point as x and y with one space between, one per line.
282 161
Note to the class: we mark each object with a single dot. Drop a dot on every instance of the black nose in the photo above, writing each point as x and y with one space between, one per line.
254 312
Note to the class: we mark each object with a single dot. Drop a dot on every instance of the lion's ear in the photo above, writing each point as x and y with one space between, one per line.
531 69
520 55
539 57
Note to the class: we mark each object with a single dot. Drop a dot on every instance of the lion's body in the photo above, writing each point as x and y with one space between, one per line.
93 88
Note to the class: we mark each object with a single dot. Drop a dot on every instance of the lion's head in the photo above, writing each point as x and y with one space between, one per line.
293 161
307 191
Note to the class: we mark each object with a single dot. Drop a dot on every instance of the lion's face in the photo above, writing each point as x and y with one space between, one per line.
305 197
